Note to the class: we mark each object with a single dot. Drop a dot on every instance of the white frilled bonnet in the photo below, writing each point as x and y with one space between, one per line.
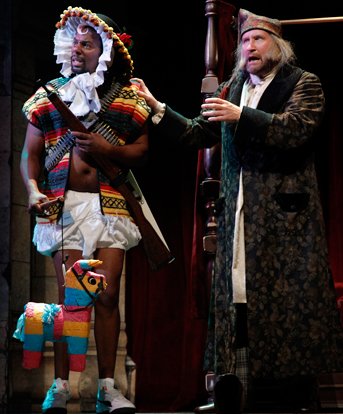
81 90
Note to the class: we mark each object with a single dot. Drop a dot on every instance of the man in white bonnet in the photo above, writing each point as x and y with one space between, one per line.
79 214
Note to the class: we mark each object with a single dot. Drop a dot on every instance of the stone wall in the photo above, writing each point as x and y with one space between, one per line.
5 199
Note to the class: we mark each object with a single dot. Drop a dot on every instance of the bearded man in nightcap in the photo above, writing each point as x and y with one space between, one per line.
273 315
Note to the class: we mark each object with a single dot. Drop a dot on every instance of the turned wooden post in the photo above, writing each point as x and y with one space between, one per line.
218 13
219 45
211 156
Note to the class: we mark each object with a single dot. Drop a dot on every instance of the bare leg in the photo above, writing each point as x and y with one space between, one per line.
107 317
60 348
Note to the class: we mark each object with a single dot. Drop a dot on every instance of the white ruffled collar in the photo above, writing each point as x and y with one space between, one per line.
81 92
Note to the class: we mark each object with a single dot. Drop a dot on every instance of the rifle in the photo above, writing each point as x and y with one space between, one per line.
156 250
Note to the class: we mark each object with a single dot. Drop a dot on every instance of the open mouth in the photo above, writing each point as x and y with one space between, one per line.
252 59
76 61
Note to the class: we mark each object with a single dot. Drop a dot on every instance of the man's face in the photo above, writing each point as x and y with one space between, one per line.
259 52
86 50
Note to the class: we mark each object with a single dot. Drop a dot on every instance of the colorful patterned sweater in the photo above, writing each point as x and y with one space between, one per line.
126 114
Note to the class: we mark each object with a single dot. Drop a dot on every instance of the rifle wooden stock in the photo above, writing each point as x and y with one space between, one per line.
155 249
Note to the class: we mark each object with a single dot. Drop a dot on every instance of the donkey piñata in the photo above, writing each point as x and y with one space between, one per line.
69 322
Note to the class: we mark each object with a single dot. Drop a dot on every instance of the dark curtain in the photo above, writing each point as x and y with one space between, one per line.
335 181
331 179
165 341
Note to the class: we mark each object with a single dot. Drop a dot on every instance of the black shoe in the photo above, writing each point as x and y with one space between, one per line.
228 394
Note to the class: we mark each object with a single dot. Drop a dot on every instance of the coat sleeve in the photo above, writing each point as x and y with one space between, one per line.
193 133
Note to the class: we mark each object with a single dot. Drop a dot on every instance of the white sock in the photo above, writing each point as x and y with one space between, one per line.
105 383
60 383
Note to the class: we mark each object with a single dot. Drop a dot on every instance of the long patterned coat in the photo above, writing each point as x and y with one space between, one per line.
292 317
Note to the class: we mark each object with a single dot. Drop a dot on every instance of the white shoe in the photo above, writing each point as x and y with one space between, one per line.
110 400
56 398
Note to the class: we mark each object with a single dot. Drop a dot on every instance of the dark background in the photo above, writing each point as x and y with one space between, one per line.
165 340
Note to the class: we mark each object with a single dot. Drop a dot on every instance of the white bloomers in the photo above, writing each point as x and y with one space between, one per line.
83 227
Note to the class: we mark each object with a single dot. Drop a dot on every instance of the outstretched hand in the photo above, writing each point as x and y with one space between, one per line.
144 92
217 109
